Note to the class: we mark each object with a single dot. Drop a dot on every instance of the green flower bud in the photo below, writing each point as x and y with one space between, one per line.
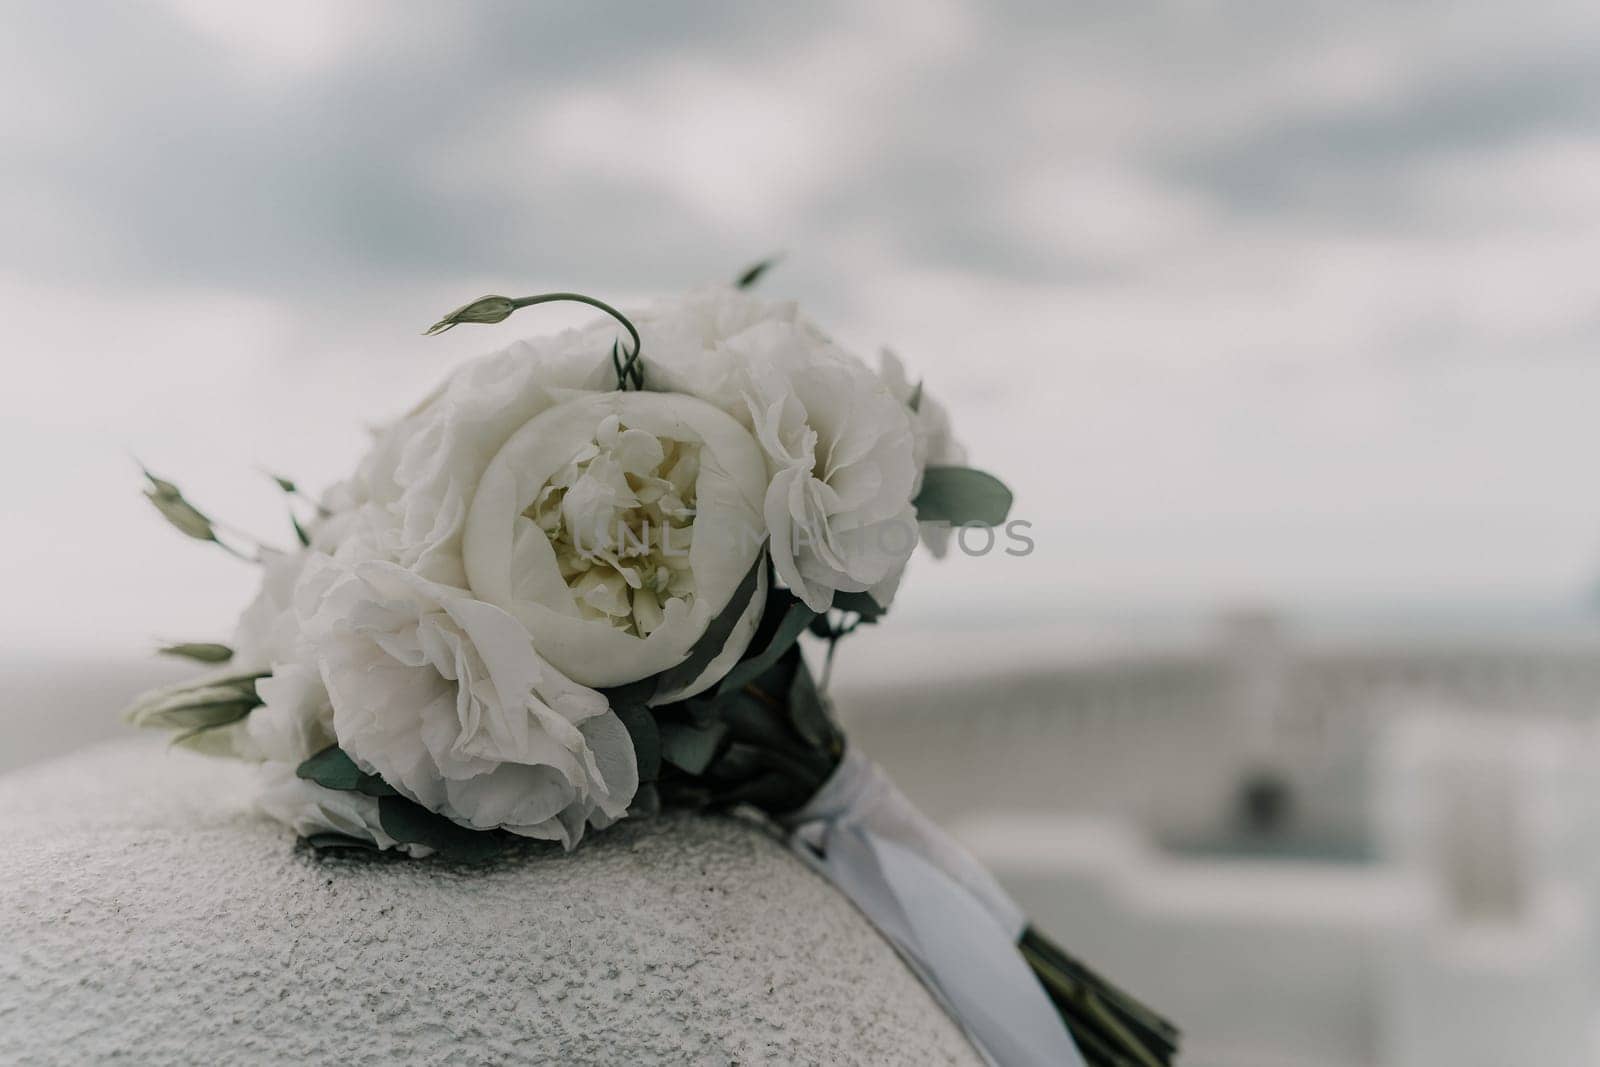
182 514
191 706
487 309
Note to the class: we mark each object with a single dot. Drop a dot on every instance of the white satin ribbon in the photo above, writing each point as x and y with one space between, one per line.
946 916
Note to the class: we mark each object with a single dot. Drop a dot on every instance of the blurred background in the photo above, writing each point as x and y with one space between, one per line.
1280 319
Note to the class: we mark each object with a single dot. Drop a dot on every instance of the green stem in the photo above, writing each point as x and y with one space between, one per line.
627 369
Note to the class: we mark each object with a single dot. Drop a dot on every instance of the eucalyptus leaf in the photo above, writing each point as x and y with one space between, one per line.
758 719
792 624
646 738
716 635
639 692
860 604
691 748
199 651
333 768
339 841
808 714
412 824
962 496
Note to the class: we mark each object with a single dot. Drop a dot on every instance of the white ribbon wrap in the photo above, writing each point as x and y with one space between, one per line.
946 916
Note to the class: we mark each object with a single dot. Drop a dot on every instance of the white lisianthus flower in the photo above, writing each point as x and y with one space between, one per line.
615 527
295 720
840 450
933 442
443 696
686 343
267 647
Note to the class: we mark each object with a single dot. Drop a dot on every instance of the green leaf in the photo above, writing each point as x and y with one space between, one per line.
639 692
199 651
332 840
715 639
807 712
412 824
962 496
333 768
793 623
691 748
860 604
646 738
753 273
286 484
299 531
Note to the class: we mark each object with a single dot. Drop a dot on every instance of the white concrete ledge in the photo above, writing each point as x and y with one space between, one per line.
147 915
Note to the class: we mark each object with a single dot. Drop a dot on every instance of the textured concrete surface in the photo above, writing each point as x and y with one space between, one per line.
146 915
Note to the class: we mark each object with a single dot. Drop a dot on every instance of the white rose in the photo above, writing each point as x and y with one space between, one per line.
933 441
840 449
615 526
443 696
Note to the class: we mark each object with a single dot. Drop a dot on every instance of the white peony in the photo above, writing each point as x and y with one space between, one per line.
443 696
933 442
408 503
615 527
840 449
408 500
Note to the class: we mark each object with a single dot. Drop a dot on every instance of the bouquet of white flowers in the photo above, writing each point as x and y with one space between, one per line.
568 587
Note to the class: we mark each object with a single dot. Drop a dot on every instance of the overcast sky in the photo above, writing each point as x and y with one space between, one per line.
1285 302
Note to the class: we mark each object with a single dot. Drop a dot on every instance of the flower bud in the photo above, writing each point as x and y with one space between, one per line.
189 707
180 513
487 309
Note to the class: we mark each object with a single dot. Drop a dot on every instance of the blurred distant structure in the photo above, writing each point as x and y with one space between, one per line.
1356 855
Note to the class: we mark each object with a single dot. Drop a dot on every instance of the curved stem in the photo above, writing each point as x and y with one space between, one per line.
627 368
